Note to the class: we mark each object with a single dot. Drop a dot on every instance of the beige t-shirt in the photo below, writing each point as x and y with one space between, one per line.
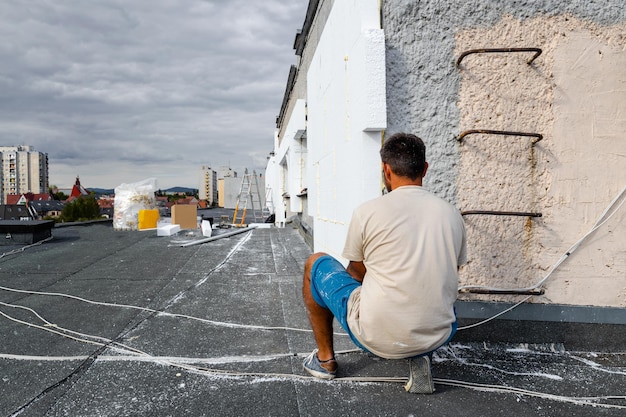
411 243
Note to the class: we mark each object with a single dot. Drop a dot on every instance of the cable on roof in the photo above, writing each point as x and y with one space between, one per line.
161 313
176 297
23 248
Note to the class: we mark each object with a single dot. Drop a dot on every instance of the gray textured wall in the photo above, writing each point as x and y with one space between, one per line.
422 80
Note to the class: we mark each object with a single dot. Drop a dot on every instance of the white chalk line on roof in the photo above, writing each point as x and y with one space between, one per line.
192 365
593 401
596 366
140 356
181 363
43 358
134 358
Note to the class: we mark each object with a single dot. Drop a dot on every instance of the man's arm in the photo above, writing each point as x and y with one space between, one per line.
357 270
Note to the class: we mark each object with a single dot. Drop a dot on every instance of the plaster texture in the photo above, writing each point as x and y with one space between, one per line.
573 94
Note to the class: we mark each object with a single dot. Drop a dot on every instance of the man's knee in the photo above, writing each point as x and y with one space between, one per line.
308 265
311 259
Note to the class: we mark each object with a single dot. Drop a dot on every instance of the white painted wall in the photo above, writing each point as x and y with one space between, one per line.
271 188
286 168
346 115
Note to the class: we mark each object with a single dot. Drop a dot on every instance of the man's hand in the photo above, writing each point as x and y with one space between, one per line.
357 270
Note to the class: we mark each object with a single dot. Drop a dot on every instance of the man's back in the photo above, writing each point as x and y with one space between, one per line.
411 243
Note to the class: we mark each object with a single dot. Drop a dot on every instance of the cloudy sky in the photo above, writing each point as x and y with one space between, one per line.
117 91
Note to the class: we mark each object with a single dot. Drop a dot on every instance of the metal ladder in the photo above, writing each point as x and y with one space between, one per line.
247 192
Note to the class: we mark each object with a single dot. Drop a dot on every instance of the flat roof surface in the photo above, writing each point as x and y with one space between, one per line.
108 323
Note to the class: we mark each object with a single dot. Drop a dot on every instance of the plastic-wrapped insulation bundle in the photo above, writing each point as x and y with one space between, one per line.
129 199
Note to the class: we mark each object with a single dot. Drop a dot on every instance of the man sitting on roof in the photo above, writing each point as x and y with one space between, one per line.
396 297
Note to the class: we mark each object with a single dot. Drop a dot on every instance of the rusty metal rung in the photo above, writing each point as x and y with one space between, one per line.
537 136
502 213
537 52
536 291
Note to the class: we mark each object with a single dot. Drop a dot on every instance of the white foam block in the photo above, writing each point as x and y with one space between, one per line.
261 225
168 229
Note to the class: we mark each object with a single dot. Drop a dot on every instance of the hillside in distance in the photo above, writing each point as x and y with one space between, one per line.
107 191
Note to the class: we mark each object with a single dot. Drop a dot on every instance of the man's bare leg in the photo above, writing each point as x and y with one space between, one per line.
321 318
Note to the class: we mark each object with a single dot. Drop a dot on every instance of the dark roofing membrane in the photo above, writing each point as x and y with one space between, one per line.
220 329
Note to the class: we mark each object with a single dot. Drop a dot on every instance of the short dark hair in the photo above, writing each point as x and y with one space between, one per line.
405 154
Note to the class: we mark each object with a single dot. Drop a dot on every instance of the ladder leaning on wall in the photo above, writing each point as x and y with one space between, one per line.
249 194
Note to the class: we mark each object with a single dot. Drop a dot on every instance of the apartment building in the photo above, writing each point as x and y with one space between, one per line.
207 189
228 186
23 170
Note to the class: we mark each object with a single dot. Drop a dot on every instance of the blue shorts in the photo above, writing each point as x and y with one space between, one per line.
331 286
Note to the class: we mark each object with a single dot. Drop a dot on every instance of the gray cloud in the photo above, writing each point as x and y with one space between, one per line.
117 91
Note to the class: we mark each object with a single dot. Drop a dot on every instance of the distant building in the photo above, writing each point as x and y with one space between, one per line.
208 185
30 206
226 172
106 205
23 171
231 188
46 208
227 187
228 191
189 200
16 212
23 199
78 190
